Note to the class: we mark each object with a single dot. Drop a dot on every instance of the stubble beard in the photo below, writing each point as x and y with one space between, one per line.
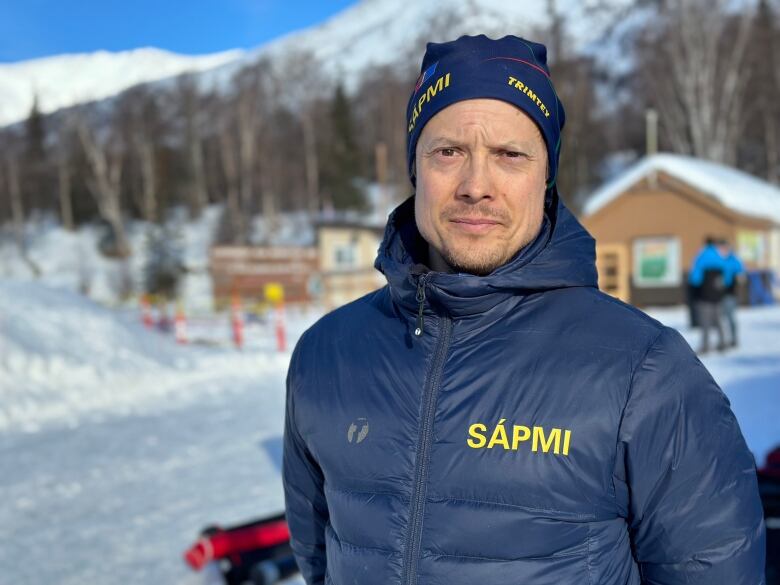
478 260
472 254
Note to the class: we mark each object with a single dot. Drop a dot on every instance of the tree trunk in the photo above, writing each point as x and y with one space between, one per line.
148 180
66 202
104 184
17 212
312 163
230 168
198 194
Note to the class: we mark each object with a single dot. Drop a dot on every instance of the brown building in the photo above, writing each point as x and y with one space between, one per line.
336 270
246 271
650 223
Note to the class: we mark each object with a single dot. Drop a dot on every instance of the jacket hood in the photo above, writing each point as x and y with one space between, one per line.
562 255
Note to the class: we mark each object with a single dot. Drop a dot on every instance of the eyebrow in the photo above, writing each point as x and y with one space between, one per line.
509 145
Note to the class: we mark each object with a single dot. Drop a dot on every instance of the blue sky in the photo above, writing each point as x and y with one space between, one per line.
38 28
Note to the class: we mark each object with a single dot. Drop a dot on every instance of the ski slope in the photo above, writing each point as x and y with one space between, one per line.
117 446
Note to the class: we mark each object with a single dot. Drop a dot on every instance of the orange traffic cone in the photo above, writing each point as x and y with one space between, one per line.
180 324
237 321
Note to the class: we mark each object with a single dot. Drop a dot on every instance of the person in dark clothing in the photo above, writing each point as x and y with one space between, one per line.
707 278
732 271
490 416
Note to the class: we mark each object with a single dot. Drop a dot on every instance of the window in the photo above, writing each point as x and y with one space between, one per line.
657 262
345 256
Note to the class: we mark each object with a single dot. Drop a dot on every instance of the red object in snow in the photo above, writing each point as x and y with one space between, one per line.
237 322
281 329
146 312
772 466
223 543
180 325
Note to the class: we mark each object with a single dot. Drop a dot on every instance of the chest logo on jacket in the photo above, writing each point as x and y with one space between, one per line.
513 437
362 424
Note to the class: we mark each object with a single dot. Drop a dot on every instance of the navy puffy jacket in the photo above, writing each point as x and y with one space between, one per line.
537 432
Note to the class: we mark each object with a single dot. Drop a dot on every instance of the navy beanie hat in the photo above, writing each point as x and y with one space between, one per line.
510 69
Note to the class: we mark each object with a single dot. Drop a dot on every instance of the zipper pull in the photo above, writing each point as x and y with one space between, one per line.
421 300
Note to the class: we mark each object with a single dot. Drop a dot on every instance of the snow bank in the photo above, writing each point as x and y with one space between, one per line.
64 358
73 261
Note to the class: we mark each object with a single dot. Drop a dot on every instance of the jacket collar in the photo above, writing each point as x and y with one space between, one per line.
562 255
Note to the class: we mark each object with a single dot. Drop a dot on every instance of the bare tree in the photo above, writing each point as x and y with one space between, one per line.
17 210
64 189
104 183
307 88
247 151
228 156
138 122
765 87
195 119
694 67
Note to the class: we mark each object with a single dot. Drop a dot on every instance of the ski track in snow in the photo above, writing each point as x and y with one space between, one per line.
115 495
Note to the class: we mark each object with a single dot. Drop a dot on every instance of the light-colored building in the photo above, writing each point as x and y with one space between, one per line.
651 220
347 250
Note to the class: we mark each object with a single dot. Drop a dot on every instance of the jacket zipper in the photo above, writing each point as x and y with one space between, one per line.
419 329
430 393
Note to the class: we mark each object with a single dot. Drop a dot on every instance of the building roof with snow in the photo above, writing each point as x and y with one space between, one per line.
734 189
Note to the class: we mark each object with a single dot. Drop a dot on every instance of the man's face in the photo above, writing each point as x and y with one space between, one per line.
481 170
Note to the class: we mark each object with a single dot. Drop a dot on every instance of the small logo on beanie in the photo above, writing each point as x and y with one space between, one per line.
425 76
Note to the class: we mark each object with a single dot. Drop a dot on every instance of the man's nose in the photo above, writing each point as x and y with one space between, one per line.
475 184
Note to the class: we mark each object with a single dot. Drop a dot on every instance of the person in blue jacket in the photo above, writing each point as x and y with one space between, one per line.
707 278
732 269
489 416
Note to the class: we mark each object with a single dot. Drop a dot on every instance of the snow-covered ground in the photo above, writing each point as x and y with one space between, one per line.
117 446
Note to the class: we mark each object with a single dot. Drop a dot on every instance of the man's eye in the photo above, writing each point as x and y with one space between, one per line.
447 152
512 154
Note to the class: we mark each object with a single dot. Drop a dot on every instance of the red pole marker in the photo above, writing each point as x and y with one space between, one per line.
180 325
281 329
146 312
237 322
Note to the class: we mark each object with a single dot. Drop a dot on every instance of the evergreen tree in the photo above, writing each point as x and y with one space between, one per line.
342 157
164 264
35 171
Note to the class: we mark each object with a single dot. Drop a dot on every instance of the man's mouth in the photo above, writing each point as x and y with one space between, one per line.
474 225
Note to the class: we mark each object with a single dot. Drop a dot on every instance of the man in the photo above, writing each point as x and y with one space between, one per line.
707 278
732 269
490 417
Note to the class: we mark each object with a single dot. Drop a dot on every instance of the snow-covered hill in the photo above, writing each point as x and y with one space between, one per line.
66 80
368 34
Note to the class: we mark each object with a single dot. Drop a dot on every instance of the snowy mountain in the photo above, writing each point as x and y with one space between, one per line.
66 80
376 32
370 33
